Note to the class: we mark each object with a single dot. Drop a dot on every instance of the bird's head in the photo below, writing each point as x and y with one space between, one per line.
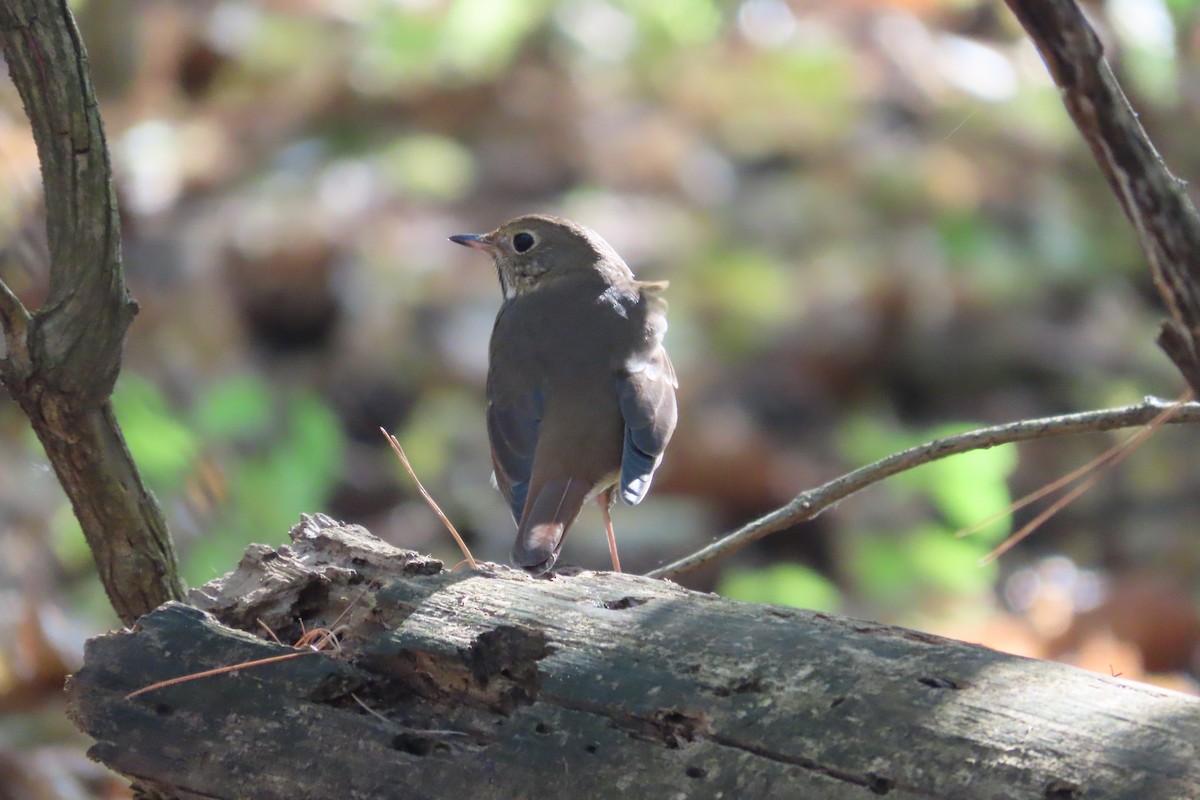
533 248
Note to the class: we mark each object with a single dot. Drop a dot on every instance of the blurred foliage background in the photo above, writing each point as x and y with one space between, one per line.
878 223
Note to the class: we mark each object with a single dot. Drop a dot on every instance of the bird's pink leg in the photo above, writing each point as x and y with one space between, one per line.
605 500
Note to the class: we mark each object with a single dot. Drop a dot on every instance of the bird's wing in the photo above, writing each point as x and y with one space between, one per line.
646 393
512 424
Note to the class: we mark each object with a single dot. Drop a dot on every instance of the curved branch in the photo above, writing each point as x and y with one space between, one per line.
1155 201
82 325
61 363
807 505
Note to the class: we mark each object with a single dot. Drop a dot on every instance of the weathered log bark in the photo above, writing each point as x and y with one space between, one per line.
496 685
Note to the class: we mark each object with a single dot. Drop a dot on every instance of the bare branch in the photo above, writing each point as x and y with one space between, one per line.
61 363
1155 201
807 505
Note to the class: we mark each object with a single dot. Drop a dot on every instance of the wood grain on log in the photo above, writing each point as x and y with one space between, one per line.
496 685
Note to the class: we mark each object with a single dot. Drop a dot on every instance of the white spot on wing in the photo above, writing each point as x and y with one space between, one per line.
613 296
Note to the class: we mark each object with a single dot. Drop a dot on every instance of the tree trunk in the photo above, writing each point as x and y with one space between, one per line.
493 684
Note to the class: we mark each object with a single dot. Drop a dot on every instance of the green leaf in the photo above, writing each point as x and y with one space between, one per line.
234 408
897 569
681 22
433 167
965 488
481 36
1180 8
971 487
434 428
269 492
162 446
941 562
879 567
67 540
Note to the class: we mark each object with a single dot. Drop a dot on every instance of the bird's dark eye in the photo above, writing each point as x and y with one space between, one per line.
523 241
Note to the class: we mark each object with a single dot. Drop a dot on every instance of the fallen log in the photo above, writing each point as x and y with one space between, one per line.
492 684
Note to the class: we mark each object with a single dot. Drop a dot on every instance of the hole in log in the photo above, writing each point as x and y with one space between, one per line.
624 603
311 598
416 744
672 728
879 784
939 683
592 748
543 728
745 685
750 685
837 701
504 664
163 710
1062 790
696 772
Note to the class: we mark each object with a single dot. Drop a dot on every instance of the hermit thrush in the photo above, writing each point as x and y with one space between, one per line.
580 392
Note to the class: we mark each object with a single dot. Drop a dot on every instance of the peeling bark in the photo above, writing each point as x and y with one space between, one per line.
496 685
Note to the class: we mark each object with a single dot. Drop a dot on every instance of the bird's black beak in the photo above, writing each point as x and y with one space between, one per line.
479 241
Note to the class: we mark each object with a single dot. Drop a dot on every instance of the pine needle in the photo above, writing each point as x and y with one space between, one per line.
1090 473
428 499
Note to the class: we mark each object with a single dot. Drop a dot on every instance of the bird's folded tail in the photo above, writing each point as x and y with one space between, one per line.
545 521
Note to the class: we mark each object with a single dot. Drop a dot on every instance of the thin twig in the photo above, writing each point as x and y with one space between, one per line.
1112 455
14 322
270 632
394 725
370 710
1037 494
314 641
1037 522
429 499
13 314
333 626
219 671
1091 473
807 505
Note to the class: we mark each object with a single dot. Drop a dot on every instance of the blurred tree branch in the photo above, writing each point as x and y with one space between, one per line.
61 362
808 504
1155 201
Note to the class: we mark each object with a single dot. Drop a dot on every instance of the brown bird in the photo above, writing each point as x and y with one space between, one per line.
580 392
